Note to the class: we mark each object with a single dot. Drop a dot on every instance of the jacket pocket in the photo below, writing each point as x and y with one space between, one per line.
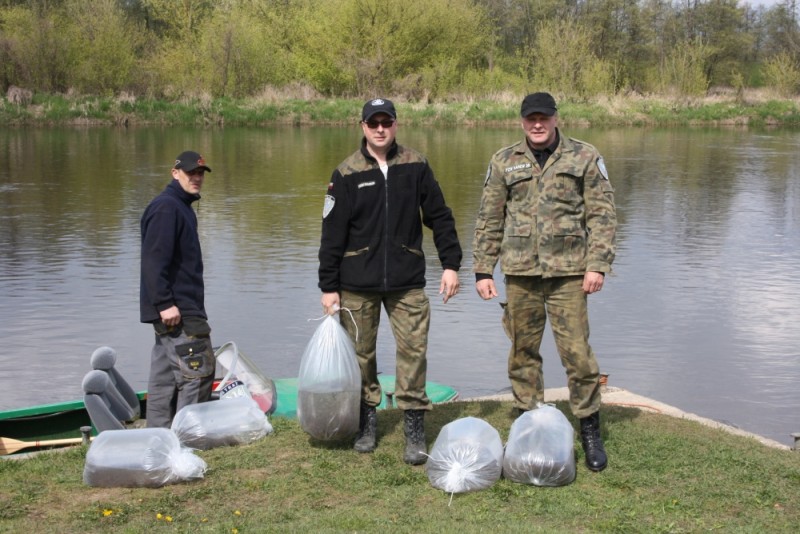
196 358
359 252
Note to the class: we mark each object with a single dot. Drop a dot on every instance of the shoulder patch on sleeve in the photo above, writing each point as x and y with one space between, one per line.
327 207
601 166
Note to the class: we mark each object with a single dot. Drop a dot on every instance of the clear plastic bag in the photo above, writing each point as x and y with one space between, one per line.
466 456
238 367
230 421
140 457
540 448
329 384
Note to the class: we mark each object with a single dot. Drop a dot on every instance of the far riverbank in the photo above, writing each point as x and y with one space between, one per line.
752 109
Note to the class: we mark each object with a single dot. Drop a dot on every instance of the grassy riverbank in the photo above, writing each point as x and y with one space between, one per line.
752 109
665 475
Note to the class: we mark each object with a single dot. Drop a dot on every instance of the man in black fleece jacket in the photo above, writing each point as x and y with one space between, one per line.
172 296
371 256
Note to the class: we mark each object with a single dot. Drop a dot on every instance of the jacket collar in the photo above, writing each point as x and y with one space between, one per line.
175 189
389 155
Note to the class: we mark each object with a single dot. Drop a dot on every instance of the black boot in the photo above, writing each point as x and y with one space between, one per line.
596 458
367 429
415 437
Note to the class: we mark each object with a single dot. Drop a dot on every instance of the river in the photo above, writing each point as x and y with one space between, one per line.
700 311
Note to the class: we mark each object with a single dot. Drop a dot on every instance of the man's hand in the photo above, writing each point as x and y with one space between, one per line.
486 288
450 284
330 302
171 316
593 282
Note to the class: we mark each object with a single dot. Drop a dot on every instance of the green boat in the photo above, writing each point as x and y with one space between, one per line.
63 420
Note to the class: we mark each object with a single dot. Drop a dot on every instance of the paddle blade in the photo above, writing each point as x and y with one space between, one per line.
10 446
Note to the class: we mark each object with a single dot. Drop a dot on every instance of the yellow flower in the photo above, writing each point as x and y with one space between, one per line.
107 512
204 520
237 512
168 519
234 531
159 516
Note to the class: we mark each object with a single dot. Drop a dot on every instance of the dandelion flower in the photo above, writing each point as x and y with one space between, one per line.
237 512
107 512
168 519
159 516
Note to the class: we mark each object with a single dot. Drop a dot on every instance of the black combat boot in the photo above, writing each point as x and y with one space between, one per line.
596 458
415 437
367 429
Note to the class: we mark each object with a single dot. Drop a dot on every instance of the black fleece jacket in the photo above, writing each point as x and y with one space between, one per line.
372 228
172 262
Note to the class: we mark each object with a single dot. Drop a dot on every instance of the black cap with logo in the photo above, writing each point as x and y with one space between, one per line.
189 161
378 105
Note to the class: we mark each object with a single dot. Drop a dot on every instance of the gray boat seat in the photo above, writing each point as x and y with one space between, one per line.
103 359
105 405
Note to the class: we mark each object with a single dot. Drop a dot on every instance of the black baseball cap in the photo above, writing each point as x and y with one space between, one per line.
189 161
538 103
378 105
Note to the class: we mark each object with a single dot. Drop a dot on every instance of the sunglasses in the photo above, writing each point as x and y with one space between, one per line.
386 123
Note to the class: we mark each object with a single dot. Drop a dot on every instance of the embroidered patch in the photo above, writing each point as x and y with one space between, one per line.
518 167
601 166
328 206
366 184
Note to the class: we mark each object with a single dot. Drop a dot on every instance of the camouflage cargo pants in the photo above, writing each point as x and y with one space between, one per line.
409 315
531 300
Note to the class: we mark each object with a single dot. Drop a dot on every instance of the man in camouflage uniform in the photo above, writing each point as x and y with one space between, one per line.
547 213
371 255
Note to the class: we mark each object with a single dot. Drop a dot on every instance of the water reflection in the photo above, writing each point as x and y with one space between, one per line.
699 312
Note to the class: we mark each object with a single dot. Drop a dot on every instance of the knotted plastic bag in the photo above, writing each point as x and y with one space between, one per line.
466 456
140 457
329 384
230 421
540 448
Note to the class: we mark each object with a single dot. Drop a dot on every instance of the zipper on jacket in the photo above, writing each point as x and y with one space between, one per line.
386 230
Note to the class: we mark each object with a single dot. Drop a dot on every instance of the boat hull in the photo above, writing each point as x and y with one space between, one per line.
65 419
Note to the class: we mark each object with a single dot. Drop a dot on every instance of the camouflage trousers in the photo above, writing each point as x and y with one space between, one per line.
531 301
409 315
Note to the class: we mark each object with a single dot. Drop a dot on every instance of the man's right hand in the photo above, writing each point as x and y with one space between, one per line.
171 316
330 302
486 288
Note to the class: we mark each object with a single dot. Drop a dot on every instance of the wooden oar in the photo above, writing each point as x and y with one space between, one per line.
10 446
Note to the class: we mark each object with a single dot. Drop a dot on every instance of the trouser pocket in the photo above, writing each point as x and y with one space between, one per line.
196 358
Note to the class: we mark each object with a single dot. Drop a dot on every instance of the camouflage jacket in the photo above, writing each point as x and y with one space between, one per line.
556 221
372 226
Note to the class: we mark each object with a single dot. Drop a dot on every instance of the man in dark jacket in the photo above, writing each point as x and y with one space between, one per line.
371 255
172 296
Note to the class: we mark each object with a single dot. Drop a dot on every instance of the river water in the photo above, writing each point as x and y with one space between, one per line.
700 312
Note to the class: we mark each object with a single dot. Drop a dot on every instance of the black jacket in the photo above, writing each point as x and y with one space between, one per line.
172 263
372 228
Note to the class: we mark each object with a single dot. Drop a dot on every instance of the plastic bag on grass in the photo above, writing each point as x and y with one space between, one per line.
140 457
329 384
466 456
231 421
540 448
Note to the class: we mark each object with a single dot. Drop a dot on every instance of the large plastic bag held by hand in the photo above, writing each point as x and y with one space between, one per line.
235 421
540 448
141 457
329 384
466 456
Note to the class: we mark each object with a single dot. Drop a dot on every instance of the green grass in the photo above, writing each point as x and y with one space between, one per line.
664 475
756 110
